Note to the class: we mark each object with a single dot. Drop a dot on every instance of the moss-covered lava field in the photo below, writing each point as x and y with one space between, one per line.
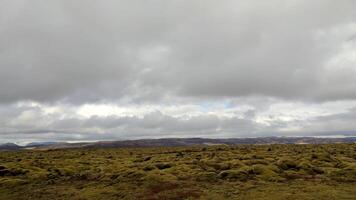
326 171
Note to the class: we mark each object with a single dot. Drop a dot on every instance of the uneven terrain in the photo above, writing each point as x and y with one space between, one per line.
288 171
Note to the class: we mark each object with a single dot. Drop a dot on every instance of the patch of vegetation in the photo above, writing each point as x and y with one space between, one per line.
210 172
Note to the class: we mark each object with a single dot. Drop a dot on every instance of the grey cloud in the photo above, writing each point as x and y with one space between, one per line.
130 52
342 124
88 51
267 51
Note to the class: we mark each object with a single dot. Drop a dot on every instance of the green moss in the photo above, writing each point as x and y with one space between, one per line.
241 175
12 182
215 172
207 177
308 168
163 165
157 179
286 164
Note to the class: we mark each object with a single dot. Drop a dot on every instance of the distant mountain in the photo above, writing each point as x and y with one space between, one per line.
9 146
172 142
41 144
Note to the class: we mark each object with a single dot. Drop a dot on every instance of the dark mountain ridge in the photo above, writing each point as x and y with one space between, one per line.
9 146
171 142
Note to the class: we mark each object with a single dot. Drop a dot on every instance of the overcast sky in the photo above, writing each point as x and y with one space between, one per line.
90 70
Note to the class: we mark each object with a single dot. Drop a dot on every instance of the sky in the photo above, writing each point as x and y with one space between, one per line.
89 70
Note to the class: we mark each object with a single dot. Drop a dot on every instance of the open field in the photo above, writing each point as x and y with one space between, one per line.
326 171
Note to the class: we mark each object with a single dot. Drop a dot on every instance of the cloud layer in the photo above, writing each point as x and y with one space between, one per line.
223 66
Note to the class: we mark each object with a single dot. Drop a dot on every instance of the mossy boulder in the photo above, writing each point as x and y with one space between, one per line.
12 182
157 180
290 174
12 172
163 165
308 168
240 175
217 165
348 174
287 164
134 174
149 167
207 177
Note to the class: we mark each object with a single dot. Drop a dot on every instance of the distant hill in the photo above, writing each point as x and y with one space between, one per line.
42 144
9 146
171 142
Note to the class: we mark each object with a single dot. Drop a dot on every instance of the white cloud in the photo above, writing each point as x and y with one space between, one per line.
29 121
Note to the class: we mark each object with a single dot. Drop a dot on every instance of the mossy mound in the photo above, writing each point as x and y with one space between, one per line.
287 164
